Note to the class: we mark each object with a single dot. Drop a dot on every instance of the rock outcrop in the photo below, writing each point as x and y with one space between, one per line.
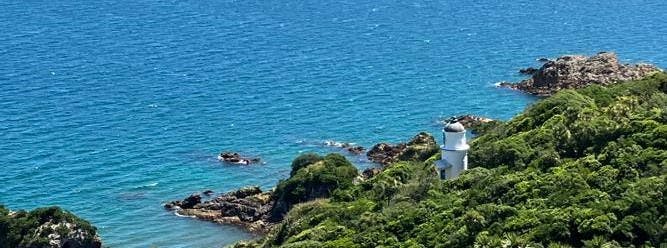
421 147
577 71
247 207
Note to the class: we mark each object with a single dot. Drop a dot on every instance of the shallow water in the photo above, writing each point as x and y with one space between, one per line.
111 108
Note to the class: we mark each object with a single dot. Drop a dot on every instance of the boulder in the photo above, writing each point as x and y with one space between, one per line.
577 71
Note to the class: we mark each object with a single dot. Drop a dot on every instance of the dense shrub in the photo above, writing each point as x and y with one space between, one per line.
312 177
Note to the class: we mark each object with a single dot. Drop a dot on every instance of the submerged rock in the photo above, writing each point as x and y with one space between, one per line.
577 71
420 147
248 207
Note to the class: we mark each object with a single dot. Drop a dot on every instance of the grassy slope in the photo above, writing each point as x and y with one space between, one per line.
581 168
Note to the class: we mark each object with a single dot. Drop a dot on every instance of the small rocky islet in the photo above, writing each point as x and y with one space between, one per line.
578 71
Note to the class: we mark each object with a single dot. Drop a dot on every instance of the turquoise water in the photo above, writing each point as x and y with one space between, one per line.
111 108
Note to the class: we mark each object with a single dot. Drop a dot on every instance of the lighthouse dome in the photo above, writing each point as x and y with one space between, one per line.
454 127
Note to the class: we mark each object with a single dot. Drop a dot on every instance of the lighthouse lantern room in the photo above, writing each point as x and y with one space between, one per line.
454 151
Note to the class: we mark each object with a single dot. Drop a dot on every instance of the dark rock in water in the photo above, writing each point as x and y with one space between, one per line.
236 158
421 147
528 71
247 207
577 71
207 192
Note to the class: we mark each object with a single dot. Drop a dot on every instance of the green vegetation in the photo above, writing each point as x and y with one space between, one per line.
29 229
583 168
312 177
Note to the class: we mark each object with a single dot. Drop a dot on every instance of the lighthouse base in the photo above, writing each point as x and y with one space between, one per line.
452 164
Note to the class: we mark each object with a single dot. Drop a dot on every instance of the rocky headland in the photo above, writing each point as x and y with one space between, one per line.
248 207
312 177
578 71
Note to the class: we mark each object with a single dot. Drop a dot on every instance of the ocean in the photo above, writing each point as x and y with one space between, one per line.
112 108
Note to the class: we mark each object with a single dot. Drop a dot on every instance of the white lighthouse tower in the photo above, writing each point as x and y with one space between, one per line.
454 151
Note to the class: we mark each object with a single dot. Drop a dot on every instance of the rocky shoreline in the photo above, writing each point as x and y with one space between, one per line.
578 71
258 211
249 207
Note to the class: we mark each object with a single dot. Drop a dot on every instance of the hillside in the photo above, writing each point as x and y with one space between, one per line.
580 168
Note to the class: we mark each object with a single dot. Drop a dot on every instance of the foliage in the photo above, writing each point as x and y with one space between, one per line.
585 168
312 177
18 229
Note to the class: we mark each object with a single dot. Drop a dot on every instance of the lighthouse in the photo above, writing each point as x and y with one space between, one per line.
454 151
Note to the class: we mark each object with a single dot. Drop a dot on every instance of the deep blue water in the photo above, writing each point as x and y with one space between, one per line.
111 108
